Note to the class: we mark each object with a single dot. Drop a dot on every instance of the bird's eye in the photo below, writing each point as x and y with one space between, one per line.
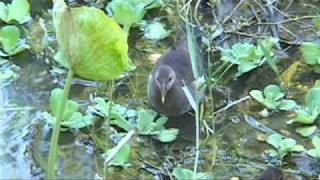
170 79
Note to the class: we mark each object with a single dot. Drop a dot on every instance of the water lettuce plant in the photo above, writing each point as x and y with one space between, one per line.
10 41
309 113
145 120
182 173
315 152
72 118
282 146
311 54
273 98
76 30
130 12
147 126
116 113
18 11
247 56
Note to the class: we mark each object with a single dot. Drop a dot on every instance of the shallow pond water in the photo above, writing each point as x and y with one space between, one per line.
233 152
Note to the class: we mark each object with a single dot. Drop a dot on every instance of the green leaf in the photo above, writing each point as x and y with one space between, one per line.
316 22
122 156
287 105
257 95
274 140
310 52
77 121
297 148
306 131
83 27
304 117
160 123
316 143
6 74
122 123
127 12
312 153
182 173
9 37
145 122
61 60
273 92
312 99
167 135
55 101
3 12
19 10
155 31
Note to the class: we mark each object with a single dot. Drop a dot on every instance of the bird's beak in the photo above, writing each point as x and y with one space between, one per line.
163 98
163 95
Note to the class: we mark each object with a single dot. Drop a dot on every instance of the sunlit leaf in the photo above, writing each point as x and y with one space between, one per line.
19 10
155 31
274 140
122 156
306 131
167 135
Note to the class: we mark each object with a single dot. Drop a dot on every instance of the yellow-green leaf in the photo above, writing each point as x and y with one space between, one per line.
92 43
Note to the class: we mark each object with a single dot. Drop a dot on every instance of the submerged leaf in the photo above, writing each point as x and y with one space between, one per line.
182 173
93 44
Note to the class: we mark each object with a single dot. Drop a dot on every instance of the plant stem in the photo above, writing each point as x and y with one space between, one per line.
56 128
195 166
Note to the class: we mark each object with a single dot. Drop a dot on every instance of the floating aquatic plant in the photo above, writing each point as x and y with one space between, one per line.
273 98
18 10
247 56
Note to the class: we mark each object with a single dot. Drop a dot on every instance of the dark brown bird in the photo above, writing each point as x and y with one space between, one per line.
271 173
166 79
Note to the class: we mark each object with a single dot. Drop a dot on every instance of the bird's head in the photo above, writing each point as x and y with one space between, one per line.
165 78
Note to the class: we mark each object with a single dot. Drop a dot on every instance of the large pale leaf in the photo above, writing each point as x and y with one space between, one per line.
93 44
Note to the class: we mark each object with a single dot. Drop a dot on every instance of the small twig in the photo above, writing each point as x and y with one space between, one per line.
231 104
232 12
288 31
195 14
286 20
